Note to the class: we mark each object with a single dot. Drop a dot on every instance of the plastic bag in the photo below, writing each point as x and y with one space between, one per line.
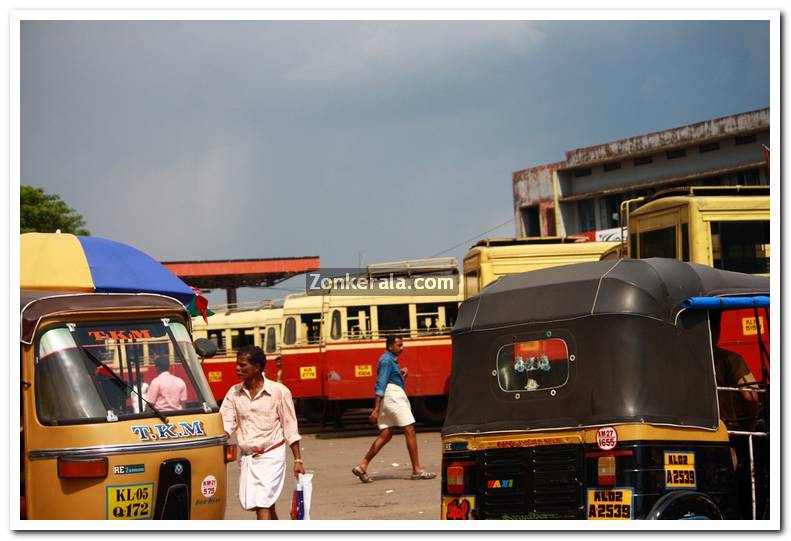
300 501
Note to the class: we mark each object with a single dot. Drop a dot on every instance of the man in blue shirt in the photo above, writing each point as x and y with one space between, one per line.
392 409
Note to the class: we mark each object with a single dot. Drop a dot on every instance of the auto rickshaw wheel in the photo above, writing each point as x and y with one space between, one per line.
685 505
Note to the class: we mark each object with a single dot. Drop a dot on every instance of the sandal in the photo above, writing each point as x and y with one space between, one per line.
361 474
423 475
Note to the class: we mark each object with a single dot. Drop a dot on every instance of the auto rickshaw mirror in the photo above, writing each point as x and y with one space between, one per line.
205 348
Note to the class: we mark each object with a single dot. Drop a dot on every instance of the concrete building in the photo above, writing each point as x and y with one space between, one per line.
583 193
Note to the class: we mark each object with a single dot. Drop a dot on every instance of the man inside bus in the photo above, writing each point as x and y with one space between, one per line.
390 410
166 391
738 409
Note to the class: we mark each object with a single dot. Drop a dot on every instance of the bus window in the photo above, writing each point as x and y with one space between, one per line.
311 328
358 322
470 284
271 340
290 331
684 242
428 319
335 326
241 338
658 243
393 319
216 336
741 246
451 312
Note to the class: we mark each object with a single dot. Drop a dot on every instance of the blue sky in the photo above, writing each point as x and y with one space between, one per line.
377 139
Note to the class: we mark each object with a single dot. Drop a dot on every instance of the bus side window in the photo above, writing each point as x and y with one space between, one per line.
335 325
658 243
215 335
393 319
241 338
358 322
290 331
271 340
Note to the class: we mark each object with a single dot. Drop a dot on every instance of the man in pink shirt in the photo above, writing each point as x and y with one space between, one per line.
261 413
167 392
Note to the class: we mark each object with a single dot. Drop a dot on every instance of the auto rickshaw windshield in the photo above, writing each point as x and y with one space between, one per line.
89 372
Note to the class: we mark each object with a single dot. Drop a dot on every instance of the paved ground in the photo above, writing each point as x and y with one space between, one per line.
338 494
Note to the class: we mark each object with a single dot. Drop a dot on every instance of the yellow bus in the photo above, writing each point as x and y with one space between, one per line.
726 227
492 258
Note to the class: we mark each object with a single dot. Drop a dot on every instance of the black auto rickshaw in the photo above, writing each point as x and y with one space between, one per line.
589 392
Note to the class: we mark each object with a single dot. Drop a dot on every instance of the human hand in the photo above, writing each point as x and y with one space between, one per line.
404 372
299 467
374 417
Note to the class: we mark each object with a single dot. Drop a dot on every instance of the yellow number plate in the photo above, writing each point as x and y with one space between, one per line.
362 370
307 372
458 507
680 470
610 503
214 377
749 328
130 502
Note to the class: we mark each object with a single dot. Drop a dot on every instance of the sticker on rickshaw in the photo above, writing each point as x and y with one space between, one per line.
680 469
307 372
130 502
610 503
606 438
185 429
458 507
362 370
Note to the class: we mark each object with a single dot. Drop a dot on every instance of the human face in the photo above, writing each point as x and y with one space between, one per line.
397 347
246 369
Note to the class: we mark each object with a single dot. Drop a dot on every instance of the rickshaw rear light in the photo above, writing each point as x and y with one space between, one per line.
606 468
82 467
230 452
454 476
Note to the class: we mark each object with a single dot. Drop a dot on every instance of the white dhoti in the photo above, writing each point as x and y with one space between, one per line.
395 409
261 478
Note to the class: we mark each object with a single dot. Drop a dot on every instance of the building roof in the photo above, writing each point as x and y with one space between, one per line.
233 273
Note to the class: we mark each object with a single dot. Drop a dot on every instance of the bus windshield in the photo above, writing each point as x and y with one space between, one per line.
94 372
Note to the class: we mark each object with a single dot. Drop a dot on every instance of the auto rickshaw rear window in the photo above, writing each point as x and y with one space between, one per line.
533 365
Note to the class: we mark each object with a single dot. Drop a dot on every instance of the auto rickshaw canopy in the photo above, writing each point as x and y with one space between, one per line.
613 339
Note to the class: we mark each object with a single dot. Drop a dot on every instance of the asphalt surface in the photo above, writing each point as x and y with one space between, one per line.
337 494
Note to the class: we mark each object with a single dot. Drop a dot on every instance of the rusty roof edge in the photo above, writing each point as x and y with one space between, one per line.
711 129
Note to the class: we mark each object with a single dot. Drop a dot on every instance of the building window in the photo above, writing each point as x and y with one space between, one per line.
708 147
587 215
744 139
613 166
582 172
643 160
531 221
677 153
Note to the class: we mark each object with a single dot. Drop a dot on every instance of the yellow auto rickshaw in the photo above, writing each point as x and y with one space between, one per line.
101 436
592 391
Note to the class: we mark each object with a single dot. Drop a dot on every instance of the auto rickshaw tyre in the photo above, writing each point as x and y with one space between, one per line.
430 410
685 505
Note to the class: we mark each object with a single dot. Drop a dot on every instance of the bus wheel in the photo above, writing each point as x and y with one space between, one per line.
430 409
684 505
311 408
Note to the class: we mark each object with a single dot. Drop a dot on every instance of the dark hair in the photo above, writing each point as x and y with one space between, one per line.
162 363
256 355
390 340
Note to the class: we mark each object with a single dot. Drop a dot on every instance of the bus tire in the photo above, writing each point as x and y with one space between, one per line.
311 408
685 505
430 409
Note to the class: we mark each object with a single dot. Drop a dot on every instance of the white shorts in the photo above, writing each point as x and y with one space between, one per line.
395 409
261 478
